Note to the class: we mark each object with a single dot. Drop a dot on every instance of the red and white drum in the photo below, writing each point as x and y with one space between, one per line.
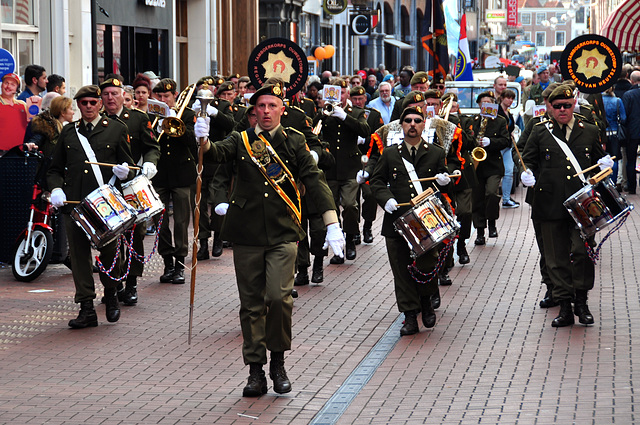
140 194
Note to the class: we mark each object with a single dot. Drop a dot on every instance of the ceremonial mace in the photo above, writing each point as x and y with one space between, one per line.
205 96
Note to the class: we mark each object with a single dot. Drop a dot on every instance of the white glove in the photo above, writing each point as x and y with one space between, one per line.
334 239
527 178
121 170
314 154
457 172
58 197
485 142
605 162
442 179
149 169
362 177
201 127
361 140
221 209
339 113
391 206
211 110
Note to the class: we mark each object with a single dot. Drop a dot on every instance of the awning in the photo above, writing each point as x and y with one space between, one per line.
397 43
623 26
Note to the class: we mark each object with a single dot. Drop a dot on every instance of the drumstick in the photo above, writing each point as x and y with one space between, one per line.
429 179
106 164
586 170
405 204
72 202
515 145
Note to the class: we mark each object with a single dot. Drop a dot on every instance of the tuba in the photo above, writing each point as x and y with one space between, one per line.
174 126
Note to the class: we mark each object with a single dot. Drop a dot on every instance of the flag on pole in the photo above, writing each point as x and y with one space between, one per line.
463 63
434 38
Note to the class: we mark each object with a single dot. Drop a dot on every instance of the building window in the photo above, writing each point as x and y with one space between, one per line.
560 38
540 16
541 39
18 12
527 36
580 16
525 18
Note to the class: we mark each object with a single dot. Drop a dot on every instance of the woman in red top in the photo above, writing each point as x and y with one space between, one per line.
13 113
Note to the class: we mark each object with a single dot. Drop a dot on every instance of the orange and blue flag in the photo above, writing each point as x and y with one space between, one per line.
434 38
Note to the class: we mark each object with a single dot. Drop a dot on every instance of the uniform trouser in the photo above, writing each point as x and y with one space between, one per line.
209 220
313 240
486 201
369 204
464 212
176 245
543 263
137 267
632 155
82 262
345 193
265 298
568 263
408 291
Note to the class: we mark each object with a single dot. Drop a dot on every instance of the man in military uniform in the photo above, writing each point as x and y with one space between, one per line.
369 206
221 115
556 150
341 128
98 139
145 152
176 174
492 135
263 224
420 83
392 183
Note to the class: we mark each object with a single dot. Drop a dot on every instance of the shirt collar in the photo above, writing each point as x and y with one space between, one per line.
271 133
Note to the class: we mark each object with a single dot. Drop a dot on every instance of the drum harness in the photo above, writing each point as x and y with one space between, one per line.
91 156
594 254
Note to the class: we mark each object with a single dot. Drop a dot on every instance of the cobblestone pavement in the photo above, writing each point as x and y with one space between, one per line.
493 357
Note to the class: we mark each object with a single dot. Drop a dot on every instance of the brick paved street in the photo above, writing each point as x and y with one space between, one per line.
493 357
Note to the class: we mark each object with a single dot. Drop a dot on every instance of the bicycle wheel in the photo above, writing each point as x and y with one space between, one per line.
30 264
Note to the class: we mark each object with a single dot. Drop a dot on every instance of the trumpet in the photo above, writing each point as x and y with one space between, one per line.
329 107
478 154
174 126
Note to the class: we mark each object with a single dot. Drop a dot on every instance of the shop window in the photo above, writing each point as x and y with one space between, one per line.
580 16
541 39
18 12
560 38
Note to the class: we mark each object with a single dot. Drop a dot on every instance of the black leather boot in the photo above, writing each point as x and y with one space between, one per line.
302 278
317 276
463 255
203 251
218 245
278 375
410 323
178 274
367 234
565 318
130 293
112 305
351 247
443 277
581 308
480 240
435 299
169 268
87 316
493 231
428 311
257 384
120 292
357 239
548 301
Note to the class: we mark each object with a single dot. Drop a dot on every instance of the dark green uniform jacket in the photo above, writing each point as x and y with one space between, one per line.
177 163
141 136
496 131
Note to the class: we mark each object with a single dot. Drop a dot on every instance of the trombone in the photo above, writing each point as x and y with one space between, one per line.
174 126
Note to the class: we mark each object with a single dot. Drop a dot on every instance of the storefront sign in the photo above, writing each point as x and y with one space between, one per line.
156 3
7 62
360 24
334 7
496 16
512 13
593 62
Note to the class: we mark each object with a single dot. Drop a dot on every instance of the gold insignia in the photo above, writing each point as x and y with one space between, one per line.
126 115
168 87
423 80
277 91
567 92
98 92
116 82
418 97
105 123
419 109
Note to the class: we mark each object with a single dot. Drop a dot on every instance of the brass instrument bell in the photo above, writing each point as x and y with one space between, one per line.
174 126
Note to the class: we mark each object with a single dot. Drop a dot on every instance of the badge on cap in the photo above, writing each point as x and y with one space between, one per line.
419 109
276 90
419 98
116 82
168 87
567 92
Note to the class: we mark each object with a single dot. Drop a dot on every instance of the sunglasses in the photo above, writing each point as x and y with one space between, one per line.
415 120
88 102
562 105
440 87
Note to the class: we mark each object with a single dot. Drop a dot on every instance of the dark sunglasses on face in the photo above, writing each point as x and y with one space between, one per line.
88 102
440 87
410 120
562 105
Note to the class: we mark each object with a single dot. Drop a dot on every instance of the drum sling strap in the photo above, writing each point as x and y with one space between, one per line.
91 156
413 175
567 151
294 208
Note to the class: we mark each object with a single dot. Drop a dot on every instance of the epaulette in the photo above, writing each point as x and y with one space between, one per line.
296 130
373 109
307 99
543 121
298 108
139 110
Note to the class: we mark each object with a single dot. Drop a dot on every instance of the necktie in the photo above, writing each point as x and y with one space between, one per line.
413 154
564 131
89 128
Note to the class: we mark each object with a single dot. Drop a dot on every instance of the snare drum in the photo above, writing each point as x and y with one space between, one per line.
426 225
104 215
140 194
594 207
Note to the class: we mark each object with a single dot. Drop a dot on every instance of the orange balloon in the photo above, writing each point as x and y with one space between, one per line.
311 58
320 53
329 51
